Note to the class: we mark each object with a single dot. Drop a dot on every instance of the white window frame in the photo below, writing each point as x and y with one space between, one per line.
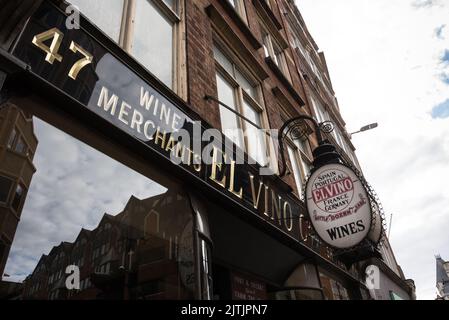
240 95
273 50
175 15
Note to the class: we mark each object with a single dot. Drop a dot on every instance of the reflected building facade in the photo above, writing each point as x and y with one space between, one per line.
144 252
18 145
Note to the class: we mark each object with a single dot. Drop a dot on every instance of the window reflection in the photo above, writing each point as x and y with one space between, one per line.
130 236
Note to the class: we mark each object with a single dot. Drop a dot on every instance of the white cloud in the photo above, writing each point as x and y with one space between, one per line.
384 59
73 187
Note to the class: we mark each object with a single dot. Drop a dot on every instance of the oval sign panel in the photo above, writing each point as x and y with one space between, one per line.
338 206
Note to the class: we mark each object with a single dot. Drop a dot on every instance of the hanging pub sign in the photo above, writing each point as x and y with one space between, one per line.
338 206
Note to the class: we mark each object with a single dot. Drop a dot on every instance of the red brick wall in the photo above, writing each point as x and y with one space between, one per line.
201 65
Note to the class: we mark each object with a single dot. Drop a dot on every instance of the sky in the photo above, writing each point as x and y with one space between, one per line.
389 63
73 187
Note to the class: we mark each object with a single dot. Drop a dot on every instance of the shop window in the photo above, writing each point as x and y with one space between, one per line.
147 29
244 97
206 272
333 289
5 187
18 197
72 189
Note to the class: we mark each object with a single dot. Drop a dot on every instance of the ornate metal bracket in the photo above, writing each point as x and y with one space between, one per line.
296 129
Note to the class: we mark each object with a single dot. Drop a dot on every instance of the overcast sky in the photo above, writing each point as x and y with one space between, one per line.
389 63
74 186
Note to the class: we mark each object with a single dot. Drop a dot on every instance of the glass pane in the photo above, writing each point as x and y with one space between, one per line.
17 197
130 233
106 14
246 85
307 167
170 4
229 120
223 61
5 187
254 136
153 41
12 138
20 146
302 145
300 294
296 169
206 274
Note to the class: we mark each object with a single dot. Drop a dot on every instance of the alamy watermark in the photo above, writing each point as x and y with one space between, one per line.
72 282
372 277
73 18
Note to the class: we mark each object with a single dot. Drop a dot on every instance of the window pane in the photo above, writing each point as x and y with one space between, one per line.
223 61
12 138
17 197
106 14
77 189
246 85
5 186
306 167
153 41
20 146
254 136
170 3
302 145
229 120
296 170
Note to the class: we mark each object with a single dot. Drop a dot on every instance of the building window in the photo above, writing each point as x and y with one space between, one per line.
273 50
12 138
206 272
296 167
106 14
18 196
152 42
5 188
298 153
147 29
239 7
244 97
320 114
17 143
21 146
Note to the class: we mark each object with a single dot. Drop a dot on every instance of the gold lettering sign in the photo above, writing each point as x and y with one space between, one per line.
52 50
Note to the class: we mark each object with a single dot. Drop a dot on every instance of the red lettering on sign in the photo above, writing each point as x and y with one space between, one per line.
332 190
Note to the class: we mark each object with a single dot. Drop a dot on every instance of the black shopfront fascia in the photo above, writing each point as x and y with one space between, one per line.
30 78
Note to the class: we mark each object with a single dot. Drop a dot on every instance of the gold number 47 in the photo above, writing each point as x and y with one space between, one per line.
52 50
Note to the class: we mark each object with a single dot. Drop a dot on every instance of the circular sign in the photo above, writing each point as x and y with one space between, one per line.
338 206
